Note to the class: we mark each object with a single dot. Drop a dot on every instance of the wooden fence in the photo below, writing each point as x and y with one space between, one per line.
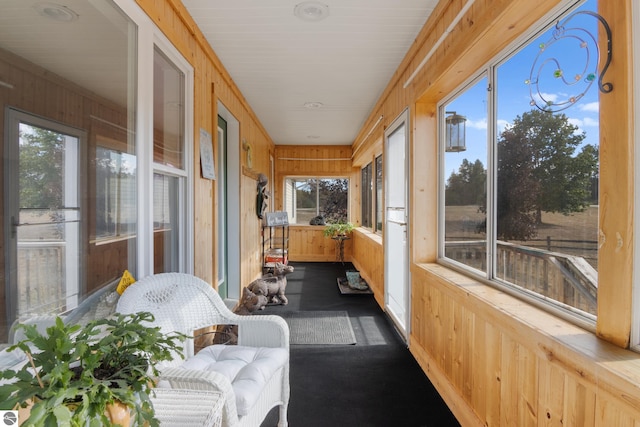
568 279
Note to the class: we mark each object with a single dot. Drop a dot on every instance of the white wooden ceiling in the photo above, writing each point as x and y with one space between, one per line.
281 62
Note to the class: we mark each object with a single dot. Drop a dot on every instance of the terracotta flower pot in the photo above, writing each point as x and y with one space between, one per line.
118 413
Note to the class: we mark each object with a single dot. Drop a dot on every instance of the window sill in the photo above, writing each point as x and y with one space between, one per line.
368 234
555 340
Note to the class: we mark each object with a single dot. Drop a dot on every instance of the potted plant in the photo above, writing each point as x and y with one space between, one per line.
75 374
339 231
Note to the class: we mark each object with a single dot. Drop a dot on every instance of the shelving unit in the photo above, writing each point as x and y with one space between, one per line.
275 240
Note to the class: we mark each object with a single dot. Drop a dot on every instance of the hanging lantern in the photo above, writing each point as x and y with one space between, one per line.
455 132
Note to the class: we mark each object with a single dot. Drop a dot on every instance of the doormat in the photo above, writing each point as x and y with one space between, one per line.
319 327
345 289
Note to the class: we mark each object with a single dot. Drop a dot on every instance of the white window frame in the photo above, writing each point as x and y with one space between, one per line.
149 36
378 217
582 319
368 188
293 200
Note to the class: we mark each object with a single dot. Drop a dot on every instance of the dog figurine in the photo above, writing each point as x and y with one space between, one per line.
273 285
249 303
228 334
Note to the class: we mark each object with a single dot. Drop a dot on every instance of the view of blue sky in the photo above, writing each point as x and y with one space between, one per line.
561 66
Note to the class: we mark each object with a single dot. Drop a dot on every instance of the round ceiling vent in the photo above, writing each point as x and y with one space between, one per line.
56 12
311 11
313 105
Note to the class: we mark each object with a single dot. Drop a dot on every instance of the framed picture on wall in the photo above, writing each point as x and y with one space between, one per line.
206 155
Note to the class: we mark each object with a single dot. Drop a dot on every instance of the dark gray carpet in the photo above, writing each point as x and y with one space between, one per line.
319 327
374 383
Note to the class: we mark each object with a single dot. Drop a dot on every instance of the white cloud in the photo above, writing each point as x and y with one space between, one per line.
553 97
575 122
502 125
591 122
548 97
592 107
477 124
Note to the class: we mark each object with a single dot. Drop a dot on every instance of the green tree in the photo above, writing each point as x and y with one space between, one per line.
306 193
539 170
467 187
40 168
334 199
517 190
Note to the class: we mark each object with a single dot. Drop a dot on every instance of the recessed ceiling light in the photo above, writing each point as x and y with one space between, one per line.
56 12
313 105
311 11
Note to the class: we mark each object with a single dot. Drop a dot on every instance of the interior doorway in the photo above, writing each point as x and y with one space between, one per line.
229 205
221 167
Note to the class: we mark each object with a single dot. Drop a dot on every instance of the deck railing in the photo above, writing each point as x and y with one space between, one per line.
41 281
568 279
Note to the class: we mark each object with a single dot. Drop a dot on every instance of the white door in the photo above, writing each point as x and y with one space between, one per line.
42 215
396 263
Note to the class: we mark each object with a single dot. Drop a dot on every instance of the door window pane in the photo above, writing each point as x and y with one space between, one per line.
48 226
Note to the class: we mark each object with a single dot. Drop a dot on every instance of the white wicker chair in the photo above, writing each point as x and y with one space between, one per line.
185 303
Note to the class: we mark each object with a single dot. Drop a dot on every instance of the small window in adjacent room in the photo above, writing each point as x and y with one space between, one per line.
378 194
367 196
307 198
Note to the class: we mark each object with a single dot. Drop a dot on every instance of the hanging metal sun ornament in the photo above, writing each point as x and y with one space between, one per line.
577 77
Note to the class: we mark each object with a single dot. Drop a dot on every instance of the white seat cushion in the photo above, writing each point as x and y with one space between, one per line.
248 369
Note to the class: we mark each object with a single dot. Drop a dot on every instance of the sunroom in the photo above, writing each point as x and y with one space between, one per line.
491 183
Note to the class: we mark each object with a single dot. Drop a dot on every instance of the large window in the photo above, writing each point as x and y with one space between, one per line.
371 197
309 198
169 178
378 191
520 170
102 131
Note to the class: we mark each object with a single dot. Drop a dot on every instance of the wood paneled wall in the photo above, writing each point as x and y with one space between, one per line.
516 365
307 243
311 161
368 258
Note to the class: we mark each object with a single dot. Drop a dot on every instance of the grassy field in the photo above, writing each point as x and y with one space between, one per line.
574 234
